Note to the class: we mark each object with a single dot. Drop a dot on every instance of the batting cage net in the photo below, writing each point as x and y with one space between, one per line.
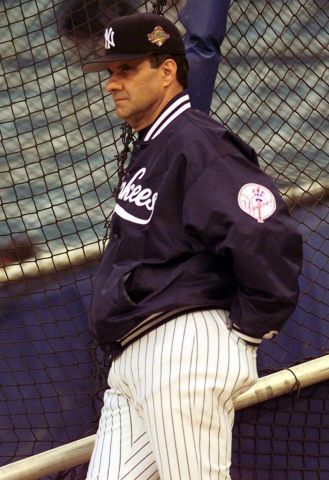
60 143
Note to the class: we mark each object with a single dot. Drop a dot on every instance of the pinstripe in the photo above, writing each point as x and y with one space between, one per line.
137 364
103 451
180 399
204 369
140 463
161 405
224 357
139 460
196 359
169 413
228 404
152 410
171 395
213 393
132 365
120 449
191 401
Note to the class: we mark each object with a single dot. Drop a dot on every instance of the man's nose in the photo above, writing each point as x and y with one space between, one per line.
113 85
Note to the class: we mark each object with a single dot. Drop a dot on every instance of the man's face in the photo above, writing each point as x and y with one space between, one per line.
137 90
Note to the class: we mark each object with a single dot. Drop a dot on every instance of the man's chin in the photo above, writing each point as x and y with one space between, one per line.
120 109
123 115
120 113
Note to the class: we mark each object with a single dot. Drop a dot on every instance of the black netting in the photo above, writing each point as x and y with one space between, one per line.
285 438
60 142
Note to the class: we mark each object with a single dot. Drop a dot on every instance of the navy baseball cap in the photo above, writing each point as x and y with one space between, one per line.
136 36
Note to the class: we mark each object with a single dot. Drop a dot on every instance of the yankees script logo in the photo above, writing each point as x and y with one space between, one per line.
143 198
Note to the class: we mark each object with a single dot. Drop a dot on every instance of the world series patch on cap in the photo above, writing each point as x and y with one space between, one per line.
137 36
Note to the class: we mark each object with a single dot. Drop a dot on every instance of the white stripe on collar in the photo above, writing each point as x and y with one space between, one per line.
168 116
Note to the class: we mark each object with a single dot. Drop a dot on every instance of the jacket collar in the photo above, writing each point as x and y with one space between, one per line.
173 109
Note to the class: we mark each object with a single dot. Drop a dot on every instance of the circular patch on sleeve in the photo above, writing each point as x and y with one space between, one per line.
257 201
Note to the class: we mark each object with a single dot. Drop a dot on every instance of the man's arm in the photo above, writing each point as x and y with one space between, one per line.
236 211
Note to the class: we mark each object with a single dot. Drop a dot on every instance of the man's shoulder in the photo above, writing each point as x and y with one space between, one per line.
195 127
199 133
200 122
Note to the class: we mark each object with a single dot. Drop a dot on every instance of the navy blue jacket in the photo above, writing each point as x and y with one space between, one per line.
197 225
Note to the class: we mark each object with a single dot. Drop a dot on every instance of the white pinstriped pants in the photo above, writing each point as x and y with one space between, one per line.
169 412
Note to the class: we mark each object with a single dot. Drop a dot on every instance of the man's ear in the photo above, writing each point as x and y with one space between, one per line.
169 71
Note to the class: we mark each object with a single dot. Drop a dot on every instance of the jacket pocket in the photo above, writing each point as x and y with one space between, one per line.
111 296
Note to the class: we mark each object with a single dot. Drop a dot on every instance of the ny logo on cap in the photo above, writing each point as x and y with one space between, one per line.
109 38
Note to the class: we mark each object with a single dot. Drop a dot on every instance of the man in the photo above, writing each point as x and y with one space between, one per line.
201 266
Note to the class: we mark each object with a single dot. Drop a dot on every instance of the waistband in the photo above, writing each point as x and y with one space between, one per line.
155 320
